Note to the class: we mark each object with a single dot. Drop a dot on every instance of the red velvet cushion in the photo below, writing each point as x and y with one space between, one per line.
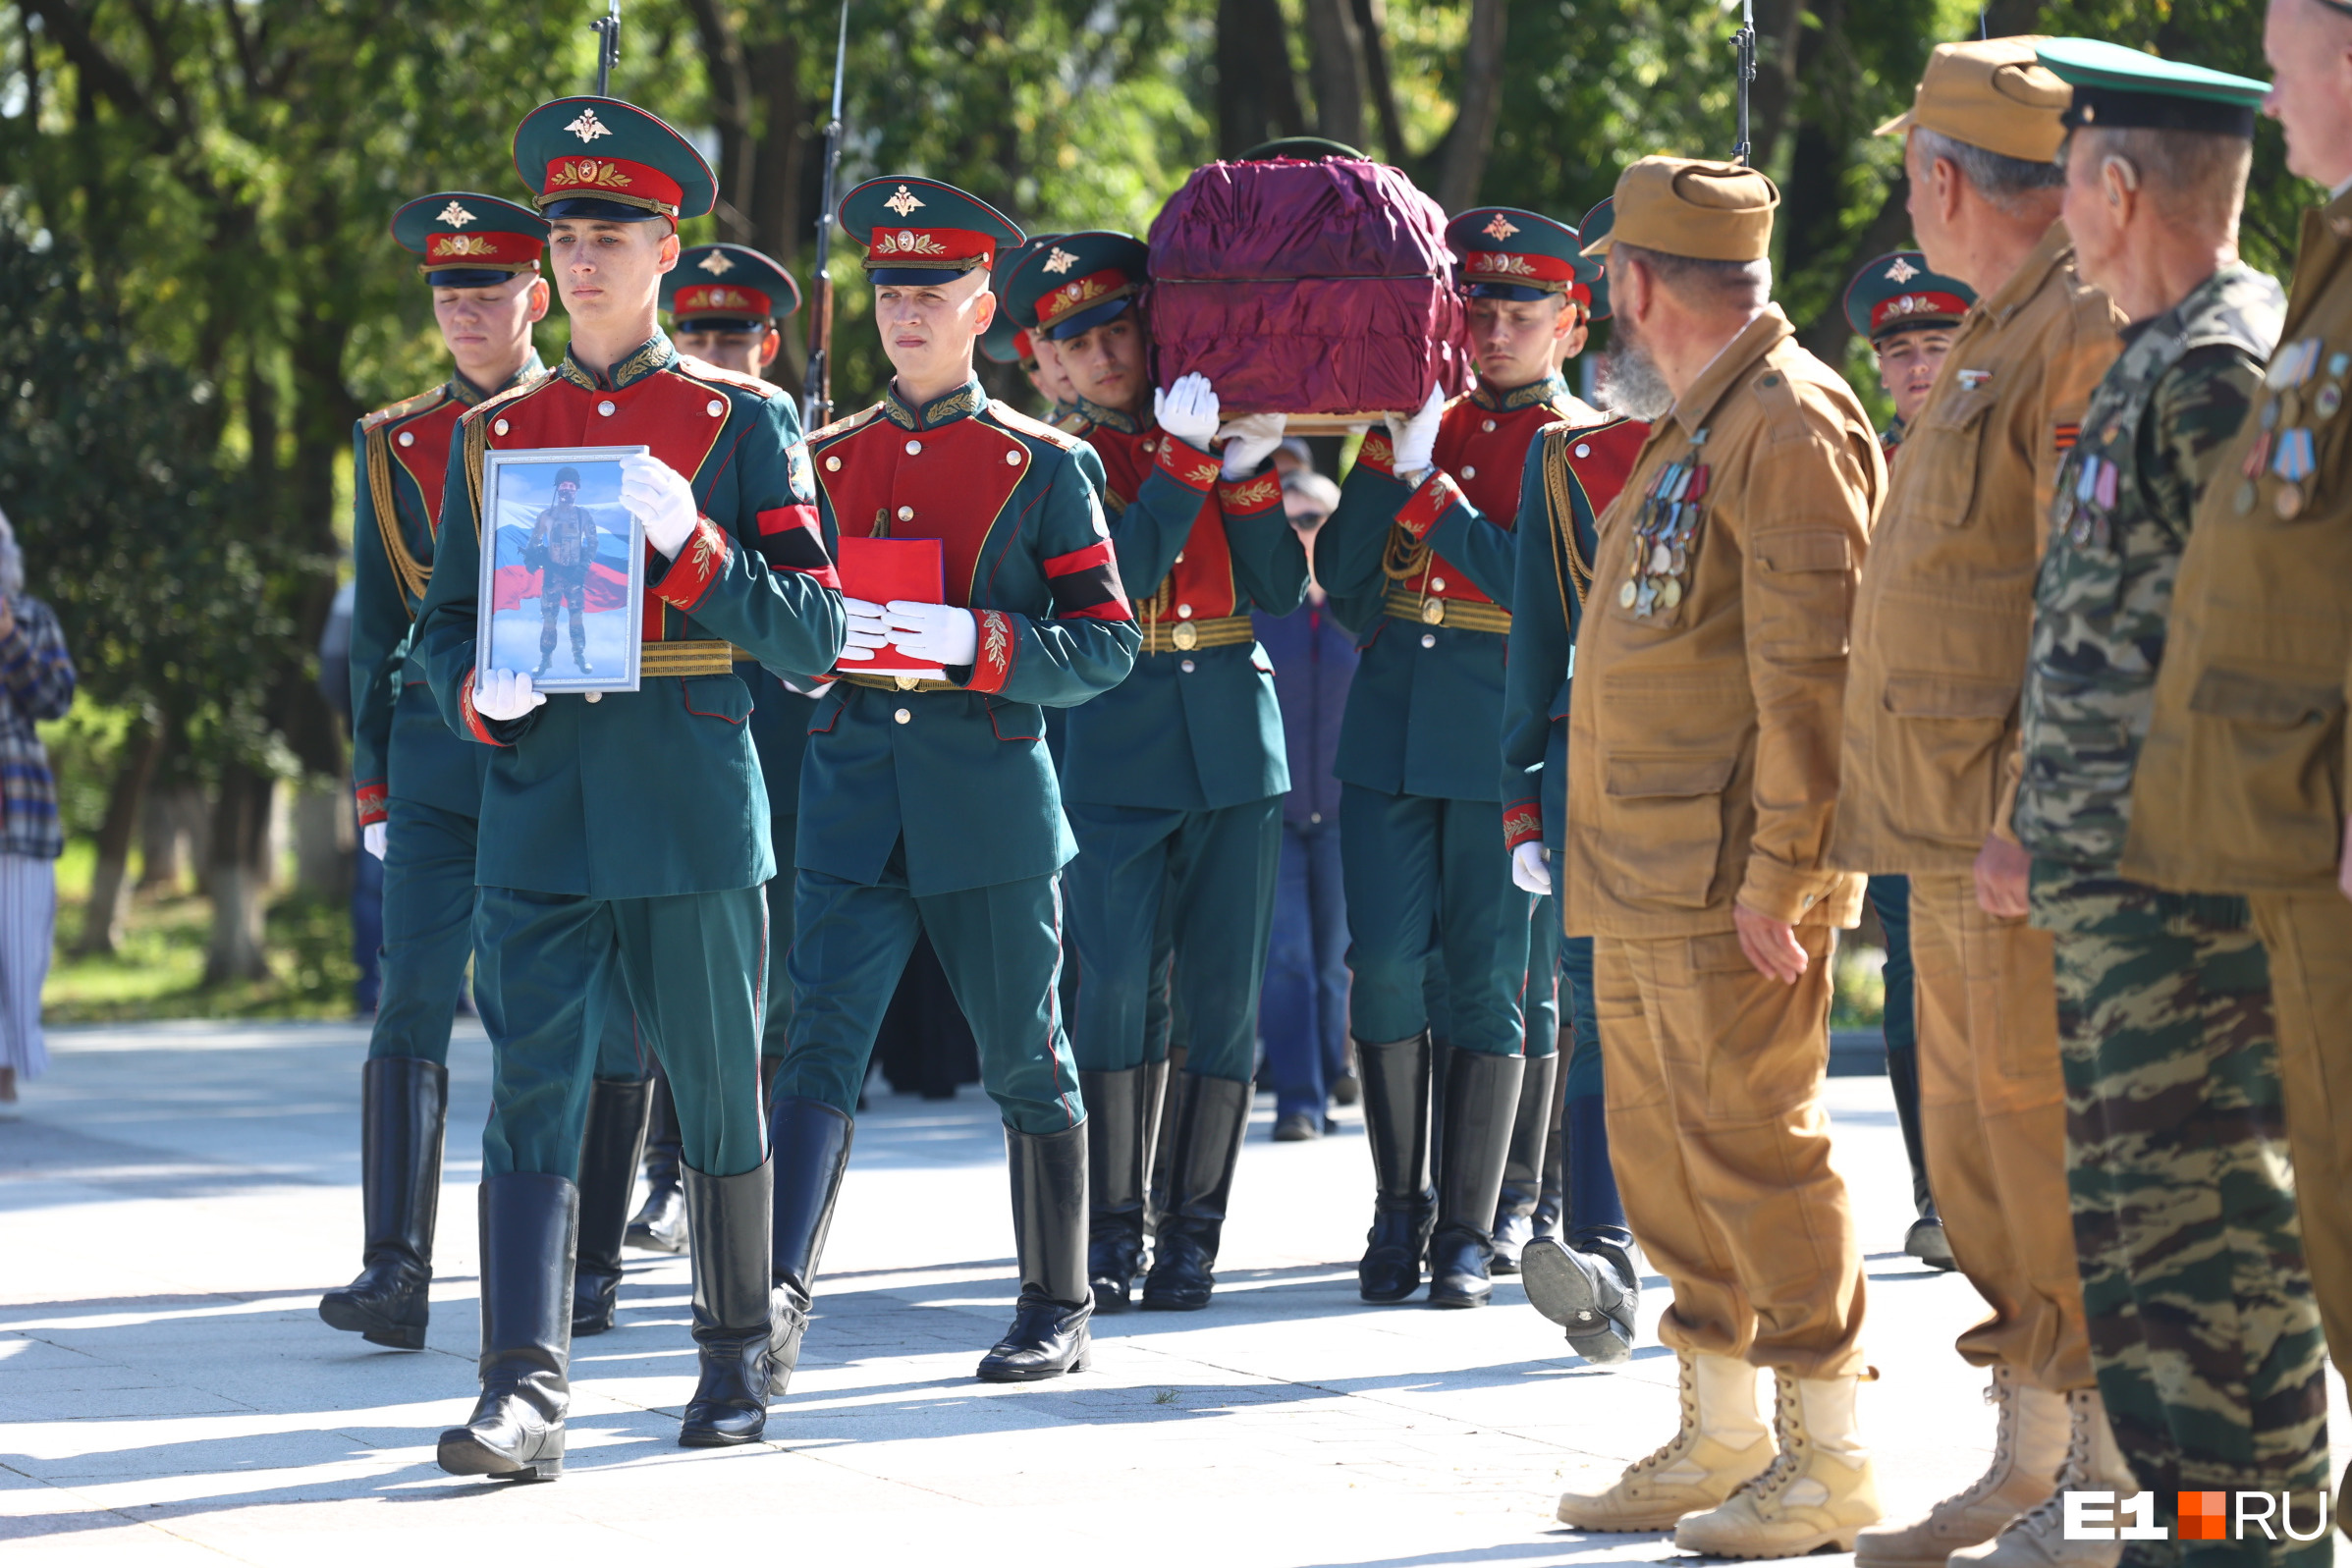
1306 288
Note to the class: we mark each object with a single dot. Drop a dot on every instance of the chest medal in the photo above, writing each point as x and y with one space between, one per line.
1664 538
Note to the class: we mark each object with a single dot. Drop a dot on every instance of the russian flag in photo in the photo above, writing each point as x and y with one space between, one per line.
608 574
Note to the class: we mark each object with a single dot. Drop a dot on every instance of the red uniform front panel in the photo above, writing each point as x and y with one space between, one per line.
949 483
1201 583
420 446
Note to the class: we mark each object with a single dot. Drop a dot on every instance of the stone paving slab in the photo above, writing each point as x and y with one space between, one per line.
173 1198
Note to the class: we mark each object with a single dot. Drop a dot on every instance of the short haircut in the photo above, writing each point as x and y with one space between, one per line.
1734 285
1314 486
2197 177
2002 180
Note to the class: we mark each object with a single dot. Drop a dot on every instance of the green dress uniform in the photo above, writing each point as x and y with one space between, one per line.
930 805
628 832
1427 572
2203 1328
1172 783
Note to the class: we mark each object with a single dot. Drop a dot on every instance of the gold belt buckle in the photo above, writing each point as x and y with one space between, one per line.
1186 636
1433 612
906 682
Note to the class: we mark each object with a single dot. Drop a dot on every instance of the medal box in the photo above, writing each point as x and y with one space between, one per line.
1323 291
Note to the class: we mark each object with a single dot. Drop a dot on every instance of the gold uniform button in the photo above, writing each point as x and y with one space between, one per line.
605 407
1186 637
1437 585
1012 457
408 438
500 427
914 448
1583 451
1429 639
1180 560
1470 472
714 407
1187 667
593 696
1183 612
832 466
1488 426
906 513
902 715
1433 610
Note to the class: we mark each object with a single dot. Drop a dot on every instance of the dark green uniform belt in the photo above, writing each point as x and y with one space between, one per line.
1465 615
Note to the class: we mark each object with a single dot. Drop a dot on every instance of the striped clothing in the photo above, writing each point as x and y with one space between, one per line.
36 682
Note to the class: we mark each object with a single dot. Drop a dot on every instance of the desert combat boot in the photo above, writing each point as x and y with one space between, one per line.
2029 1445
1724 1443
2036 1537
1820 1490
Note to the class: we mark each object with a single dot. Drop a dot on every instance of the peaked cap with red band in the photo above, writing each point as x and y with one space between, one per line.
1007 342
1512 254
918 230
728 289
601 158
469 241
1595 223
1898 292
1079 282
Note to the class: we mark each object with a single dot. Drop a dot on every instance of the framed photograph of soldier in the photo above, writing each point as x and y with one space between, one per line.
562 588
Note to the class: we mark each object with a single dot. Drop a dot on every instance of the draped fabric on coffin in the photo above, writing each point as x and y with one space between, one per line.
1306 288
608 574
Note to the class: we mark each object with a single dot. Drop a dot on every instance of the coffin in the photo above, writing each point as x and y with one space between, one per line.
1306 289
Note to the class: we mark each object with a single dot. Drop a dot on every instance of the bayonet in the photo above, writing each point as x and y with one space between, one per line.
607 29
817 405
1744 40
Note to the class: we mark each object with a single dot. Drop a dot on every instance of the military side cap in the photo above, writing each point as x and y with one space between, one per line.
1991 93
1898 292
916 231
1306 150
469 241
1592 228
1079 280
1007 342
728 289
1511 255
1693 207
2125 89
601 158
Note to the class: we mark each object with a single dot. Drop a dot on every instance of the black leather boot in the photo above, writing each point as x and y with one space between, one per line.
1523 1163
736 1323
1395 1078
1159 1101
1482 1100
660 1223
1589 1288
1047 1336
1211 1115
1117 1163
404 1105
610 1148
809 1142
1550 1204
517 1432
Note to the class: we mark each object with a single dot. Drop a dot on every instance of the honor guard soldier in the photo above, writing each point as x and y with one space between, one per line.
1007 342
1420 553
2203 1329
420 786
928 805
1702 723
628 829
2241 786
1173 780
1574 469
1909 314
1929 765
725 304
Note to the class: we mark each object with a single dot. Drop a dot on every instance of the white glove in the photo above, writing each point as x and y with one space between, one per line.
662 499
870 629
1187 410
374 836
1415 440
507 694
934 635
1528 870
1249 441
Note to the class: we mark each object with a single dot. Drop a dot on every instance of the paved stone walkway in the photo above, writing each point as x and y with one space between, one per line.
173 1198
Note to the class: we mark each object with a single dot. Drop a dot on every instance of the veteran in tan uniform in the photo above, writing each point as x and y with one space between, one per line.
1930 765
1702 780
2241 786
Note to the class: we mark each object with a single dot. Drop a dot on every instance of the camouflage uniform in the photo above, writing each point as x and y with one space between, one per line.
2203 1327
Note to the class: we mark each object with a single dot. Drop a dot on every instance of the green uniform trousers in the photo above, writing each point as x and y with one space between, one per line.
2204 1332
1207 877
779 1014
1541 999
554 969
428 928
1001 946
1421 873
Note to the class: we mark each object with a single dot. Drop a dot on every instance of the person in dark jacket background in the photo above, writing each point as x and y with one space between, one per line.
1302 1015
36 684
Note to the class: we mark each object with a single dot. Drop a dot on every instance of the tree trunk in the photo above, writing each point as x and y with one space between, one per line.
1336 69
729 75
1827 337
324 828
1371 26
1257 95
1472 134
2003 19
1773 98
102 918
240 876
782 214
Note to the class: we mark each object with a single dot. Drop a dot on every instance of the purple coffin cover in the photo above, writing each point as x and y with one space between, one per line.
1306 288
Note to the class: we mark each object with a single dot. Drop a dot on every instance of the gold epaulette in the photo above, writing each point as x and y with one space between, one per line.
1073 423
846 424
403 408
1019 423
705 370
476 428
